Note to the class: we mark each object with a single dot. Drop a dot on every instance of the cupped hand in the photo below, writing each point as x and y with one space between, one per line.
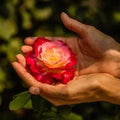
98 61
95 51
85 88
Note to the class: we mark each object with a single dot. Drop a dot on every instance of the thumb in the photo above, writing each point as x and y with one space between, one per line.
73 24
34 90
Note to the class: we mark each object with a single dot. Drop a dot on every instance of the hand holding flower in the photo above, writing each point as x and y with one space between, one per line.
96 72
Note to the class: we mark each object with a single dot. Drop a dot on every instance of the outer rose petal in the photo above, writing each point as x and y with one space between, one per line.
30 62
60 70
37 43
68 75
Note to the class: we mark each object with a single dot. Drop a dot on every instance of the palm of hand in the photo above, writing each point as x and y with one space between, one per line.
93 52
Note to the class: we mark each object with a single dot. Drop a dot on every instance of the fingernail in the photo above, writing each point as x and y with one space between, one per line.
34 90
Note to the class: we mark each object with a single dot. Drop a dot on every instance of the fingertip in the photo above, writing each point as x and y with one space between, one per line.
29 40
26 48
22 48
24 75
63 15
73 24
13 63
34 90
21 59
19 56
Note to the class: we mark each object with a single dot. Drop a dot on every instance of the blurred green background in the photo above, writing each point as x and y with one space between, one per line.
22 18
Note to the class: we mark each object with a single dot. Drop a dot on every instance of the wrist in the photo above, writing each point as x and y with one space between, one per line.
111 63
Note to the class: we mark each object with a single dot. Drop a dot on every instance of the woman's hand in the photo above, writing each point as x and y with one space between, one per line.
96 52
85 88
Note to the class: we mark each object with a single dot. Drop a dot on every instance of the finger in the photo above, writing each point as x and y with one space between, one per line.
52 91
24 75
31 81
30 40
26 48
57 101
34 90
21 59
47 90
70 41
73 24
55 38
52 98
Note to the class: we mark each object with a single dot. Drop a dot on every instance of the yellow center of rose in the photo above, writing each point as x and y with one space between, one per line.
53 57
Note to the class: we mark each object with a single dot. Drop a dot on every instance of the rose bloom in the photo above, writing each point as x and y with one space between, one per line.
51 62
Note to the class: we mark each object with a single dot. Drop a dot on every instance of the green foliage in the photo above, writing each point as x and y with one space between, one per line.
38 103
20 100
73 116
44 109
7 28
23 18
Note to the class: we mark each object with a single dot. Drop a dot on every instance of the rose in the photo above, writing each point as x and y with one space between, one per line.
51 62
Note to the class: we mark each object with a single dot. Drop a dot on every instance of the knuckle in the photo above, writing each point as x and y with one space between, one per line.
71 26
90 28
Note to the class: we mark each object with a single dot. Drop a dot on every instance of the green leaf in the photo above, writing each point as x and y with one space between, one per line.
73 116
7 28
13 48
38 103
28 105
116 16
2 75
43 13
20 100
64 111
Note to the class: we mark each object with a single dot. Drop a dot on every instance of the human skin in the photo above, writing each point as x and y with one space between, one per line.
97 71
